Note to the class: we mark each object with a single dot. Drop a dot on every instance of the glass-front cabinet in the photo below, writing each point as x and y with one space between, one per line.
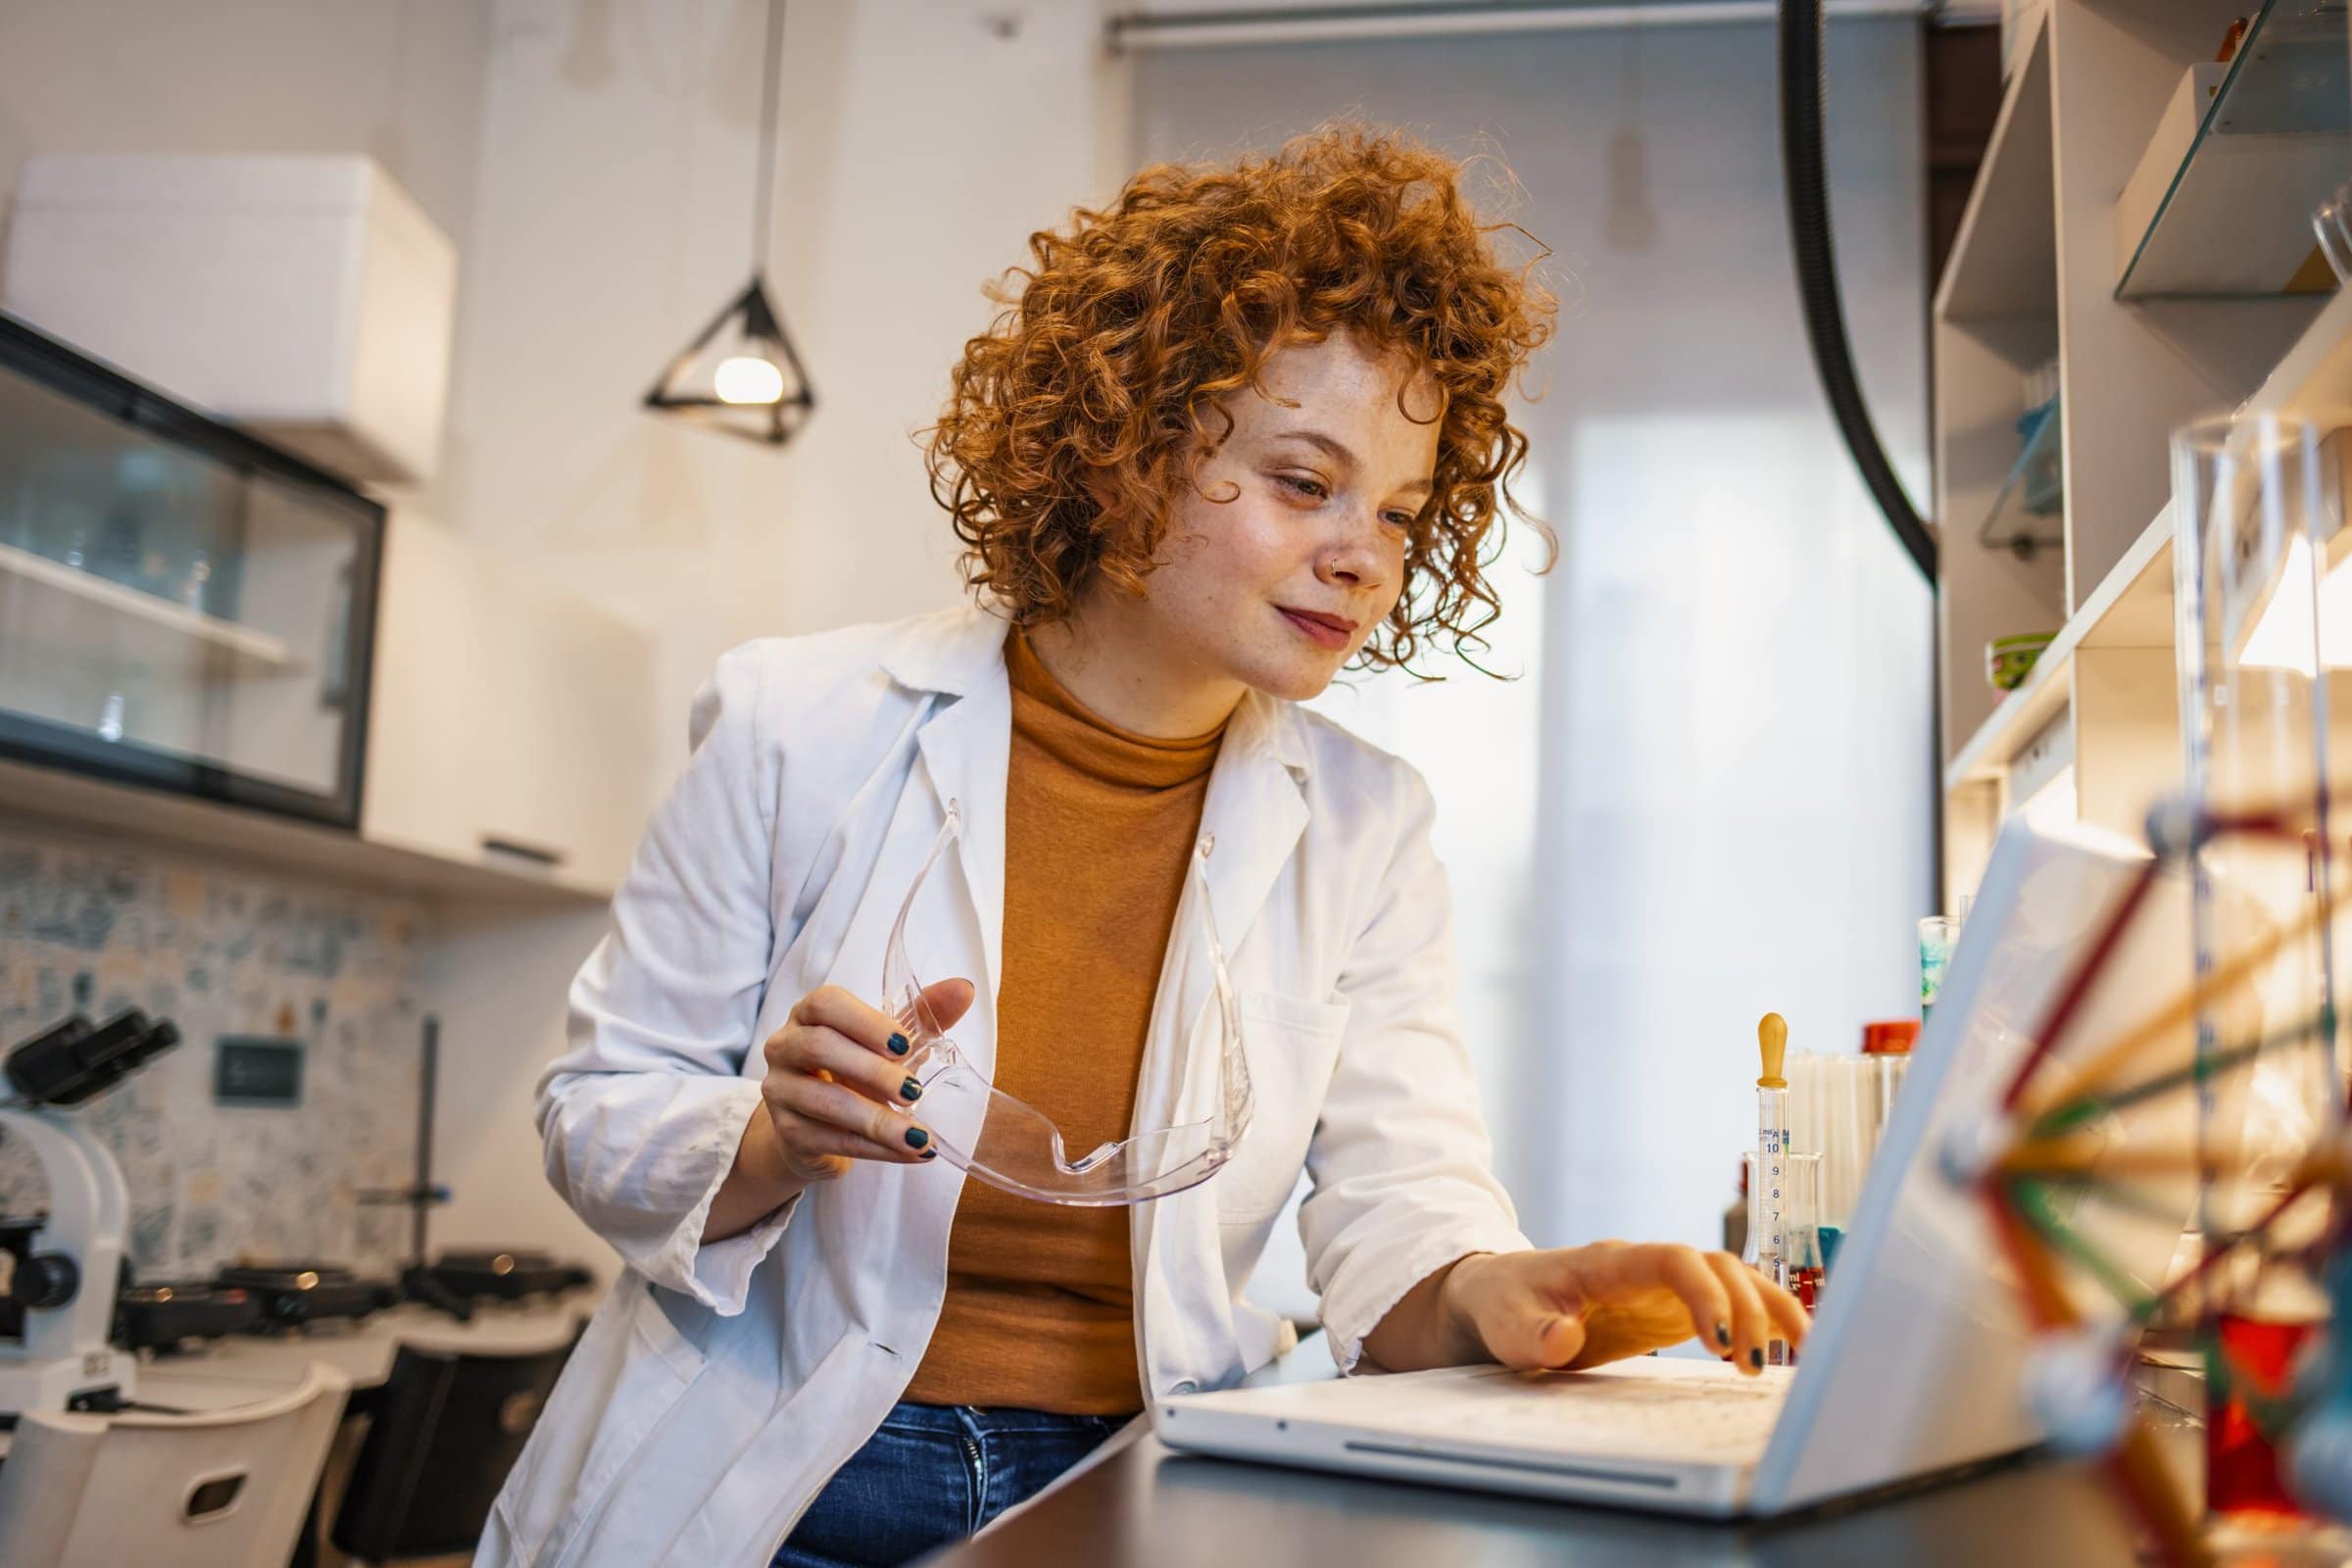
180 606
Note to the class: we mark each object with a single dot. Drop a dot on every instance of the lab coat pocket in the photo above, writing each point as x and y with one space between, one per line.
1292 1045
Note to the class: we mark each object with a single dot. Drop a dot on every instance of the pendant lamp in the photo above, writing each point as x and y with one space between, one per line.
740 374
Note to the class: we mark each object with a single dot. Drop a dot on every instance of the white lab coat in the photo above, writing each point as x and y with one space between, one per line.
719 1384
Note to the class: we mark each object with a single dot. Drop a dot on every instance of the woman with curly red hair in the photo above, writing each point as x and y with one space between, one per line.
1235 431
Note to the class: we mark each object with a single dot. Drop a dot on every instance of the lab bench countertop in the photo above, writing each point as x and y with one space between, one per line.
1147 1506
363 1352
246 1369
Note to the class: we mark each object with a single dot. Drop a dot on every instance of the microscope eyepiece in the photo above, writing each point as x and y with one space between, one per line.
75 1060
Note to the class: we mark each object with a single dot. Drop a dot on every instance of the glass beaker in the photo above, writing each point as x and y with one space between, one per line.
2263 612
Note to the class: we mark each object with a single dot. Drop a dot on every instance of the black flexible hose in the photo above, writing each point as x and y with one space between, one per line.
1807 179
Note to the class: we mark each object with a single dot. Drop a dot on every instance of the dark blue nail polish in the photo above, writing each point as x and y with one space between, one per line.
916 1138
897 1045
911 1090
1723 1334
1755 1357
930 1154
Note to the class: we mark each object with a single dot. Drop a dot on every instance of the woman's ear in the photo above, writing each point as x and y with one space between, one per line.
1099 491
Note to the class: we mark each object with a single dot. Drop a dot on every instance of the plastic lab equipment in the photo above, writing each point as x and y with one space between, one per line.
1008 1142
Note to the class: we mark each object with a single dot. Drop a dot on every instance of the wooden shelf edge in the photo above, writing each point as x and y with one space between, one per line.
2145 568
40 799
2016 719
2030 54
2316 374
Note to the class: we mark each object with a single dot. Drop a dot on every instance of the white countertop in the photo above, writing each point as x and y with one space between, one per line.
243 1369
363 1352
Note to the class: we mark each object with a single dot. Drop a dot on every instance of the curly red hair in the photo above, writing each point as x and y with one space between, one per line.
1073 419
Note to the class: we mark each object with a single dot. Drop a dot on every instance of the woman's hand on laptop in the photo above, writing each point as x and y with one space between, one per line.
1578 1306
1575 1306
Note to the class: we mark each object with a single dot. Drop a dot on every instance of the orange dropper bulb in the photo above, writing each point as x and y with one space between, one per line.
1772 1037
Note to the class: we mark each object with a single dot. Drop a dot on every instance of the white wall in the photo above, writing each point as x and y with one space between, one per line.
498 987
1710 794
919 149
398 80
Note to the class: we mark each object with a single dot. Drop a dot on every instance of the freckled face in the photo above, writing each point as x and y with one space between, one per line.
1288 551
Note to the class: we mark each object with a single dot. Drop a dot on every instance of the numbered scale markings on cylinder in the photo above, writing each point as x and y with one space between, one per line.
1772 1151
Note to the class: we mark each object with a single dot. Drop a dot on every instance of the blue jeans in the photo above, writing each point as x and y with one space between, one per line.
935 1472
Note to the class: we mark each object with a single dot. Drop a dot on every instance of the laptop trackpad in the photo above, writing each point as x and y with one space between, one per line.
1684 1411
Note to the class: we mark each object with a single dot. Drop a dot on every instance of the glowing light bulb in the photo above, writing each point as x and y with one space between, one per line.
748 379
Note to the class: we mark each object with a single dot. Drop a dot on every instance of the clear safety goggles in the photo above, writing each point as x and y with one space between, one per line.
1008 1142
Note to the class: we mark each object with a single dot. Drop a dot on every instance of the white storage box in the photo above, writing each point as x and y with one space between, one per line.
306 298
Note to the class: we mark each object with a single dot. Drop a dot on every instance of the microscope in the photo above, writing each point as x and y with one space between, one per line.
59 1272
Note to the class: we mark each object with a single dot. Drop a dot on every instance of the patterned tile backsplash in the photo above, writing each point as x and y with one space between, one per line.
100 927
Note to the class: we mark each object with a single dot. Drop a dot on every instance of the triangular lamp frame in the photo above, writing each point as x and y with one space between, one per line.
771 424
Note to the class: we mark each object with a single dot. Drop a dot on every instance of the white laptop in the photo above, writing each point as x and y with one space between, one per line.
1914 1363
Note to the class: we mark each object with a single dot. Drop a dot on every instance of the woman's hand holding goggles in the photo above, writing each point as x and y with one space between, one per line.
838 1088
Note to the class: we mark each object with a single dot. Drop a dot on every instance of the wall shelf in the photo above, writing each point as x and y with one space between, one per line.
177 824
2004 253
2221 202
2133 607
2025 516
505 768
85 612
2314 376
1995 319
2035 273
130 623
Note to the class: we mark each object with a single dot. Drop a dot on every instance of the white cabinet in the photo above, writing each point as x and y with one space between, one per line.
308 298
178 609
511 724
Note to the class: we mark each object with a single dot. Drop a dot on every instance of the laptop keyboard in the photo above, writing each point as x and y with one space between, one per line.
1709 1419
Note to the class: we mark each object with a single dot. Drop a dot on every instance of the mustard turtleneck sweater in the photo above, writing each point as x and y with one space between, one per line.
1100 823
